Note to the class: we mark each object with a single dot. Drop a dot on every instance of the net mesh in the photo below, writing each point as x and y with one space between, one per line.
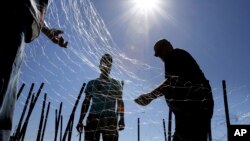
65 70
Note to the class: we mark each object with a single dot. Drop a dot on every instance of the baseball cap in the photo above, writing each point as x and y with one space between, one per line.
159 45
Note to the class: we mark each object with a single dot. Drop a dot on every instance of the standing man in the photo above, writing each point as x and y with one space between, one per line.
187 93
106 113
23 21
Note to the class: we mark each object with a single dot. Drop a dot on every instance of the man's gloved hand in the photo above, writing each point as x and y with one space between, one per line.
54 35
57 38
144 99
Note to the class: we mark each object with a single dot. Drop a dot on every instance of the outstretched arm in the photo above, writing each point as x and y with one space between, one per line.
54 35
145 99
84 110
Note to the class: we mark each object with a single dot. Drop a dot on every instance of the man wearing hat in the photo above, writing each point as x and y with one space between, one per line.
187 93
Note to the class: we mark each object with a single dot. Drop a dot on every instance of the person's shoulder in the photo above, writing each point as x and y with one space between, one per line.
181 51
115 81
93 81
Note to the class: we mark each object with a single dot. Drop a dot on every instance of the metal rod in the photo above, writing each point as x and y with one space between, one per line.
72 113
55 125
20 91
59 114
61 128
71 127
58 117
32 105
23 130
226 106
41 119
23 112
138 124
169 124
45 122
164 128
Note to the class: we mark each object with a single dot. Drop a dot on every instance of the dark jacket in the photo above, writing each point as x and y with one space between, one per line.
188 92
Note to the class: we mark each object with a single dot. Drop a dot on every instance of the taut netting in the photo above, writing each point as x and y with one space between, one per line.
63 71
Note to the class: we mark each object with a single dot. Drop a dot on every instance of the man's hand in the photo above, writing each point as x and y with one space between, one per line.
57 38
144 99
54 35
121 124
79 127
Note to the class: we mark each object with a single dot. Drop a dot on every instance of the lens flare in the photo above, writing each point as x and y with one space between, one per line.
146 6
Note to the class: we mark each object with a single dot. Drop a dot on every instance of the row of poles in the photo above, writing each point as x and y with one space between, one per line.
31 100
168 135
20 131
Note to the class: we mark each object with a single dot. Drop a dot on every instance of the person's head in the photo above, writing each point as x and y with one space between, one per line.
106 64
162 48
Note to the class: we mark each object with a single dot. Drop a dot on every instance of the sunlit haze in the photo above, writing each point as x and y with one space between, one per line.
145 6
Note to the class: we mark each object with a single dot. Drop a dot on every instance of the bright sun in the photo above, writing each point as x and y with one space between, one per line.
146 6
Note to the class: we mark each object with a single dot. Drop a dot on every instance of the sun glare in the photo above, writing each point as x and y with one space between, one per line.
146 6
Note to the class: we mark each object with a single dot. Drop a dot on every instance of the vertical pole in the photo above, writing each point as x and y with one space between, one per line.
38 138
20 91
169 124
32 105
56 129
71 121
61 128
19 126
45 122
226 106
58 117
164 128
138 123
71 127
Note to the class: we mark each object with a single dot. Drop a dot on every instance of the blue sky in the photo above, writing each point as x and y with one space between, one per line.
216 33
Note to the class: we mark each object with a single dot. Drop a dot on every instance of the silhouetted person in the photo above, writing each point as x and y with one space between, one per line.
106 112
187 93
23 20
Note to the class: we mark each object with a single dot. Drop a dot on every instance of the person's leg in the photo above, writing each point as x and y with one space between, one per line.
91 129
202 130
179 136
110 135
92 135
191 130
110 130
